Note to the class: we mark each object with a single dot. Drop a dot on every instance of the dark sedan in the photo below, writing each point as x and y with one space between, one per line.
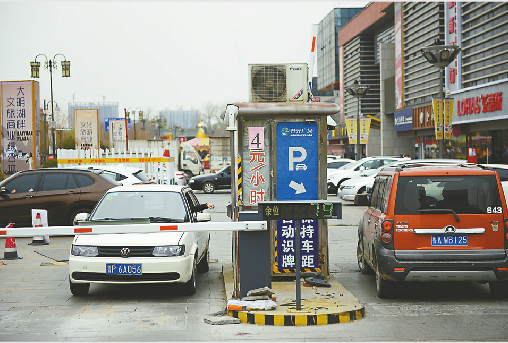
210 182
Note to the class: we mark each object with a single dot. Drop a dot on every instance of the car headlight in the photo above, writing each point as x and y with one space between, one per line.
169 250
83 250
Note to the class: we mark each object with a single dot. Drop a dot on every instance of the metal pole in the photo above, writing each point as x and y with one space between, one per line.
126 131
358 146
53 133
441 95
45 155
298 265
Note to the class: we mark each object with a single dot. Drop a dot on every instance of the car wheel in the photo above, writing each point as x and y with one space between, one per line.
79 289
73 215
204 264
362 264
383 287
499 289
190 286
208 187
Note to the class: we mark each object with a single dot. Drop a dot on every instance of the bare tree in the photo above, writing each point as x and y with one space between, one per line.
210 116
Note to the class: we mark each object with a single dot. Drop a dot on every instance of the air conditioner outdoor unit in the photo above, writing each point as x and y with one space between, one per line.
278 82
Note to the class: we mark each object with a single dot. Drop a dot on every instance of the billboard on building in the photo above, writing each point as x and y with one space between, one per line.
452 36
86 129
399 65
19 120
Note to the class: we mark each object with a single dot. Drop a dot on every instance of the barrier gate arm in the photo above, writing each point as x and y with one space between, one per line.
92 229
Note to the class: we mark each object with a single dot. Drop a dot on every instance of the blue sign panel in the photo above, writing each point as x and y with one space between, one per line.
297 164
106 123
286 244
403 120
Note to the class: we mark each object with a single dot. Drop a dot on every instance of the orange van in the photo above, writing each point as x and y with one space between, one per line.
435 223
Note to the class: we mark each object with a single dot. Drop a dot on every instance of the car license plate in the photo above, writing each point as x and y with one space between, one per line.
449 240
123 269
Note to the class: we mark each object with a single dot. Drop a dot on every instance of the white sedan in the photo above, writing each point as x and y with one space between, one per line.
357 185
165 257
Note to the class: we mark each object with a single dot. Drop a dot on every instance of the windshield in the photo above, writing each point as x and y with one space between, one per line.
141 204
462 194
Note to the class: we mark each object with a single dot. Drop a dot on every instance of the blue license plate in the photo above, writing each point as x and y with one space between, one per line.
123 269
449 240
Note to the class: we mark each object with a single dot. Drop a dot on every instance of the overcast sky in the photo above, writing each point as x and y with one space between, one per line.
154 55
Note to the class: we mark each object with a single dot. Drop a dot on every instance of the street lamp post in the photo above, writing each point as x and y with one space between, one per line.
160 122
140 117
440 56
357 90
51 64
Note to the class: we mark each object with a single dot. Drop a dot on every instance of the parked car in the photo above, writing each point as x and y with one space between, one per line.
62 192
124 174
334 179
359 184
435 223
210 182
502 170
332 165
127 258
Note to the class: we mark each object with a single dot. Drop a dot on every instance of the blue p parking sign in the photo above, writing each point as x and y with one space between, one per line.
297 165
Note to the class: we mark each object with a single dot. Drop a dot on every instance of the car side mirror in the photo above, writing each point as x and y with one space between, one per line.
362 199
368 190
80 217
203 217
362 168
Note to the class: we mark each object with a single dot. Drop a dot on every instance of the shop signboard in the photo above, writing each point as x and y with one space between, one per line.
86 129
480 104
20 127
403 120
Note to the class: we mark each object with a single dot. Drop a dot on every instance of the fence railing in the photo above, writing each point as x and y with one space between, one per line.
151 160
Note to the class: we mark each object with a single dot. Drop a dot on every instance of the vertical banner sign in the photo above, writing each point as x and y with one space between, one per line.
255 162
116 131
452 29
86 129
399 66
364 130
286 245
20 126
437 107
448 114
351 129
297 168
341 82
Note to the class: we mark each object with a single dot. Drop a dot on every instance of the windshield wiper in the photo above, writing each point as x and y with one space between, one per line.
164 220
447 210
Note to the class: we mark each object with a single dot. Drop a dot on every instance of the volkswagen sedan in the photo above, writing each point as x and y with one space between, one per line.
125 258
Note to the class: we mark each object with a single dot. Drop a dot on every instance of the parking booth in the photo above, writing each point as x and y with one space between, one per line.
280 154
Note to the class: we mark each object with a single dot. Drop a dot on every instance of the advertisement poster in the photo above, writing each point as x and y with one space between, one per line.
399 67
86 129
20 124
437 108
351 130
364 130
448 115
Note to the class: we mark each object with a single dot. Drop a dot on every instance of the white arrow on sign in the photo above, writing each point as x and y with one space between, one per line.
298 187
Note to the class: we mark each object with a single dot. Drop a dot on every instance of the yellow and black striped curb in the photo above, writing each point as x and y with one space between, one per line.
306 319
319 305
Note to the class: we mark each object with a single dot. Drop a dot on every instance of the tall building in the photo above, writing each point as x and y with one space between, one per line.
106 110
327 48
186 119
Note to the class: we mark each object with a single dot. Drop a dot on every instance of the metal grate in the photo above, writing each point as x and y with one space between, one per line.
269 83
114 251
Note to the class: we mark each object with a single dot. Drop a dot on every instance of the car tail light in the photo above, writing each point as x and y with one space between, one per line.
387 225
386 238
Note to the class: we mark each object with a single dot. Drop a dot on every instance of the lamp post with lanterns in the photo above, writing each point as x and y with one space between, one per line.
51 64
357 90
160 122
440 55
140 118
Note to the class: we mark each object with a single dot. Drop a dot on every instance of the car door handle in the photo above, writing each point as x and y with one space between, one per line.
28 196
368 221
72 192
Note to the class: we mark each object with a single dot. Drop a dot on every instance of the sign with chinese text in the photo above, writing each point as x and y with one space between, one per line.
297 161
117 131
480 104
399 66
316 209
107 120
286 254
86 129
364 130
437 108
403 120
452 29
255 162
351 130
448 114
20 125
